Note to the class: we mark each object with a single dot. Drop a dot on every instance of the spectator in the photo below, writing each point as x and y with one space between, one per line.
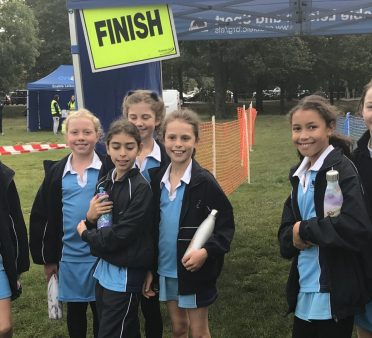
56 112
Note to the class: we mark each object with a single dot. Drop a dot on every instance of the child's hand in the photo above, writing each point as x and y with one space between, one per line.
97 207
49 270
195 260
81 227
297 241
147 292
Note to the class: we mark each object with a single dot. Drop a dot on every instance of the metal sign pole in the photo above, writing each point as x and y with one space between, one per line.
76 59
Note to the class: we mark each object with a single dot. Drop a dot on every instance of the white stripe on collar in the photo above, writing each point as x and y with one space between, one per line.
95 164
304 166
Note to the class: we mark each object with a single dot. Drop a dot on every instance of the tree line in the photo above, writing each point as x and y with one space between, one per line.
34 40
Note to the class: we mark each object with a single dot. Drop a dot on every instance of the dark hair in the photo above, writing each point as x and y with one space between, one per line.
147 96
367 87
123 126
186 115
329 114
56 97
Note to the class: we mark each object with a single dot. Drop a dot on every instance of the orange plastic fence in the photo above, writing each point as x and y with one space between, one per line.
231 150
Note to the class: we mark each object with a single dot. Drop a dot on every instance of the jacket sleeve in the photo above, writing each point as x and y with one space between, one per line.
285 233
131 224
219 242
350 230
44 239
19 228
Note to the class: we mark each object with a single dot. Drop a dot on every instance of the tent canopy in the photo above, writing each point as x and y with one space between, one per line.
60 79
234 19
41 92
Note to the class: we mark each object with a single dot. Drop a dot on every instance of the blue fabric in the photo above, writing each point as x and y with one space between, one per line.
311 303
313 306
308 260
364 320
218 19
5 291
75 201
111 277
76 282
150 163
119 279
168 231
168 290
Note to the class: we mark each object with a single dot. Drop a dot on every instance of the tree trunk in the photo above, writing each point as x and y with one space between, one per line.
220 79
259 98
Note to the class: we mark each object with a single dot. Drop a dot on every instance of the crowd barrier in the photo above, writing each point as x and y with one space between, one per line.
352 126
224 148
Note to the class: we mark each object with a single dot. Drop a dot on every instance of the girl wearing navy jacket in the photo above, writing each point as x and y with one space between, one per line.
328 281
186 194
61 202
125 248
13 248
362 157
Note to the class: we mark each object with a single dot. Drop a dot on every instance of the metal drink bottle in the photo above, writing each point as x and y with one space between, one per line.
203 233
104 220
333 195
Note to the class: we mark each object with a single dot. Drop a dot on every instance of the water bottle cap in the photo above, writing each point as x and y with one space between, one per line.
332 175
214 212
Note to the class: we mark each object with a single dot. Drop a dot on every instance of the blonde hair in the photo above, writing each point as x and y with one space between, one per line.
147 96
85 113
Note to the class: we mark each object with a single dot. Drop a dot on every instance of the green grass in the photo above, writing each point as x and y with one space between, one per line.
251 299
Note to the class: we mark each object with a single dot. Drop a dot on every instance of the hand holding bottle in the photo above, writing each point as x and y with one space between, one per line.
98 206
195 259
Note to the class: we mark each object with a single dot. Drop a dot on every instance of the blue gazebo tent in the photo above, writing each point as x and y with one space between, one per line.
41 92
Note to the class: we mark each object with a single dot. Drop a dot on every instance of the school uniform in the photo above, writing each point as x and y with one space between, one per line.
362 157
327 282
150 307
125 250
60 204
179 216
14 258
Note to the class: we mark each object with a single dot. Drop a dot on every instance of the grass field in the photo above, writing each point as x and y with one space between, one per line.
252 300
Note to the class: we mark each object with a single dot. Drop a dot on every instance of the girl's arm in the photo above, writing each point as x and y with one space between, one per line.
219 242
285 233
350 230
23 260
131 224
43 236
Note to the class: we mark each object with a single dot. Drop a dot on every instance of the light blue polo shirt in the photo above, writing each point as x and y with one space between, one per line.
76 194
152 160
311 303
170 210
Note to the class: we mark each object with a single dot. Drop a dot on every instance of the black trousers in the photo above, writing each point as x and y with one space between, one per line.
323 328
117 313
77 319
153 320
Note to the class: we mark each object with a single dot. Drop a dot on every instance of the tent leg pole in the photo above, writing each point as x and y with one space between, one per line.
76 59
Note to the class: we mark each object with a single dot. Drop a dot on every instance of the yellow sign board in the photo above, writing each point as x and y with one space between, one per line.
125 36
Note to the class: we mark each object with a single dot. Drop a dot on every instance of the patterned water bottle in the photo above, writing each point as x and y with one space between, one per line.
104 220
203 233
333 195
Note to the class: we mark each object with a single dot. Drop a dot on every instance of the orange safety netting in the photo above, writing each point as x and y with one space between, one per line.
231 160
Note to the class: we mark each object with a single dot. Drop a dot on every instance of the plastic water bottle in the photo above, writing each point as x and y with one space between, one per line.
203 233
333 195
104 220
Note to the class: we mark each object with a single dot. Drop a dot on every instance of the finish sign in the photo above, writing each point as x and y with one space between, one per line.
125 36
